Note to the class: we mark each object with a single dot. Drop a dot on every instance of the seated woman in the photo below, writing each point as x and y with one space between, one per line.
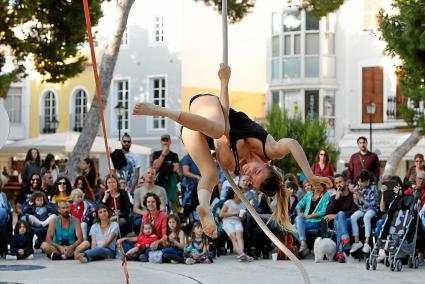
112 197
310 211
103 238
155 217
242 145
62 191
232 213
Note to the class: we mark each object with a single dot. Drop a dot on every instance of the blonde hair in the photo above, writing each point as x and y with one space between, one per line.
274 185
76 192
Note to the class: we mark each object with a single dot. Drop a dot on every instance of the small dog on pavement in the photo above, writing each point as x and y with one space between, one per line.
324 247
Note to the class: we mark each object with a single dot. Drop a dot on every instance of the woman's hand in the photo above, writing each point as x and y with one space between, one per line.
224 73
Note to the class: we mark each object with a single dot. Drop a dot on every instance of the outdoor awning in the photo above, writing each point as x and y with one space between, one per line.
63 143
384 142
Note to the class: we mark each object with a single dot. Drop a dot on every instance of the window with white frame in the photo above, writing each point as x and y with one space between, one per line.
13 105
370 14
124 39
291 63
159 29
122 95
49 113
80 109
159 95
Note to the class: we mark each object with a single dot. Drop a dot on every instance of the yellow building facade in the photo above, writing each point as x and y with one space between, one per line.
65 103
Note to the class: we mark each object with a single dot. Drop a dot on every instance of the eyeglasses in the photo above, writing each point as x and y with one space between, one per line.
126 141
164 139
35 179
323 154
62 183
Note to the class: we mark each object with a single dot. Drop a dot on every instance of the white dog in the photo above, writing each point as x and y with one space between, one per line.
324 247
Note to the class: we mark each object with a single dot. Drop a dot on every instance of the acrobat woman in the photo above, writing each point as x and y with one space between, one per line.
243 146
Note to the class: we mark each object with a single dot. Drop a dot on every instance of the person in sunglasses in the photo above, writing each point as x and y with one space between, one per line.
323 166
26 192
63 190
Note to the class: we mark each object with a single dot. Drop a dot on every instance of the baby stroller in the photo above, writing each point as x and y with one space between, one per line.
398 235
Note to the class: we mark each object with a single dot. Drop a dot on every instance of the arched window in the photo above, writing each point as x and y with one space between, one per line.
80 109
49 120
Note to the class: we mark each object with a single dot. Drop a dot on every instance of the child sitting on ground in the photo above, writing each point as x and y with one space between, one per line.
21 243
83 210
197 249
174 242
38 209
141 249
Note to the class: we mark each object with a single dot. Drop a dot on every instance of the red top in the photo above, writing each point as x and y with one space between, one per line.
328 170
77 210
144 241
158 222
358 162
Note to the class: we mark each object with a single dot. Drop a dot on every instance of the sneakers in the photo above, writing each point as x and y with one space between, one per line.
31 256
174 261
366 248
245 258
190 261
55 256
143 258
11 257
345 244
356 246
340 257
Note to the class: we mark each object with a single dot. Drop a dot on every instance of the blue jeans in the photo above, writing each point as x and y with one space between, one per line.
126 246
367 220
303 225
99 253
3 217
379 225
137 222
341 224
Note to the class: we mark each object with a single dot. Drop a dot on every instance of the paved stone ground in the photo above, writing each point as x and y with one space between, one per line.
225 270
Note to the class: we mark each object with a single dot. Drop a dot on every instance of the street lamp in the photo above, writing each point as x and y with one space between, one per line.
370 109
119 111
52 125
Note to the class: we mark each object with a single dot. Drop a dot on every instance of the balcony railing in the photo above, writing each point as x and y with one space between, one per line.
391 107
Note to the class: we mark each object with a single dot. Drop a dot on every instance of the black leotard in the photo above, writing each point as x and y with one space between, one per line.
241 127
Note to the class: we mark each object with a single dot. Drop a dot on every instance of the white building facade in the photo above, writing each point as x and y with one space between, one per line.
334 67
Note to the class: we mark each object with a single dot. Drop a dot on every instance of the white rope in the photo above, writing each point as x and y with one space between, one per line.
224 25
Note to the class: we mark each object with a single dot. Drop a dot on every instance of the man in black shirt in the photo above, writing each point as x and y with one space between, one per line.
340 208
166 164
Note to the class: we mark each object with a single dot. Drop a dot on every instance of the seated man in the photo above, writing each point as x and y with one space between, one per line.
340 209
64 234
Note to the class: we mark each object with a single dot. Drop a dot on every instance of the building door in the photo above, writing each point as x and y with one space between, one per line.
311 103
373 90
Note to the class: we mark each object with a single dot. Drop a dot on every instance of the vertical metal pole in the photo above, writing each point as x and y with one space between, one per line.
370 131
119 127
224 25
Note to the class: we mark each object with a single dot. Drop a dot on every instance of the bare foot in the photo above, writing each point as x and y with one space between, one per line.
144 108
322 180
207 221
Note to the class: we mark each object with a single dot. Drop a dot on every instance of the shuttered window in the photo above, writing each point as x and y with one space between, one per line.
373 90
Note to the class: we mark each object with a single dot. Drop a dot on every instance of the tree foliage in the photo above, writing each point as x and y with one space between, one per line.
236 9
49 32
311 134
320 8
404 33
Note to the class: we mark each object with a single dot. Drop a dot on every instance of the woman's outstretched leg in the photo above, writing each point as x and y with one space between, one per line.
198 149
206 115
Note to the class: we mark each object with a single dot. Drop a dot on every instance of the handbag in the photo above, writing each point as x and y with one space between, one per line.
155 256
118 159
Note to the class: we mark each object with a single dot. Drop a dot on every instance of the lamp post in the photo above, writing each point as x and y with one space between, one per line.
119 111
370 109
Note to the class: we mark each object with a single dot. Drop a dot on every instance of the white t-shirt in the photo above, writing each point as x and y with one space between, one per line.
101 238
233 207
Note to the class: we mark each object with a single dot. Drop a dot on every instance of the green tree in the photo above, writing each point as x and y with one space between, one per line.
311 134
49 32
404 33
